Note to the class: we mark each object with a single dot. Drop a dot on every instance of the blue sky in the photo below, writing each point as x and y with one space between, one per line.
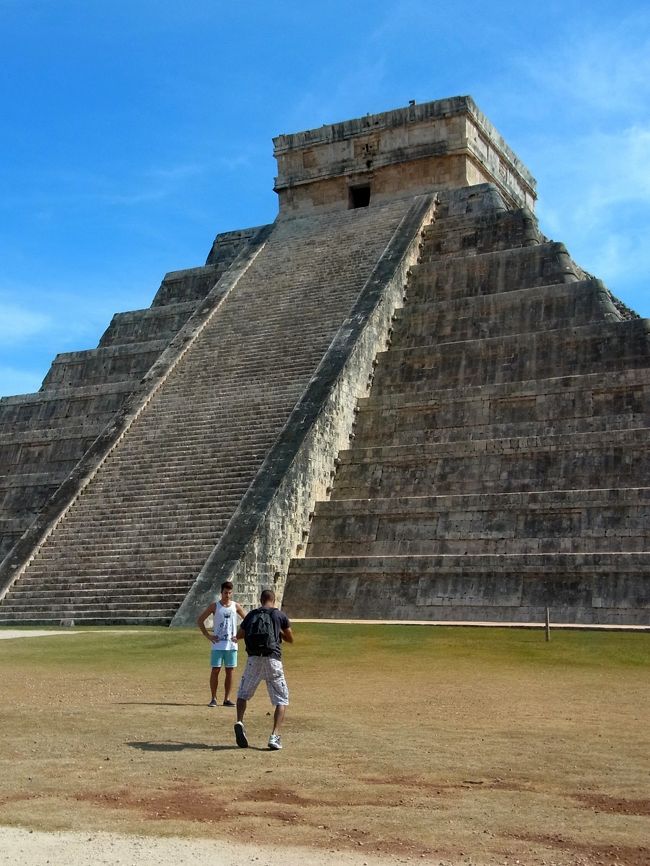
133 132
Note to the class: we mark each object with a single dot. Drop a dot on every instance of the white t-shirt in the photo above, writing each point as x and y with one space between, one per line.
225 626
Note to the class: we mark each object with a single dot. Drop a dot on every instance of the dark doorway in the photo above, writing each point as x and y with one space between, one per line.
359 196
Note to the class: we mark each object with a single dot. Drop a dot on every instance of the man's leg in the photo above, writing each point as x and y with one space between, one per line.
278 718
214 682
241 709
279 695
228 686
240 730
247 686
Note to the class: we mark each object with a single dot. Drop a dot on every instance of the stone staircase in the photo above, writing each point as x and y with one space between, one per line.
132 543
500 464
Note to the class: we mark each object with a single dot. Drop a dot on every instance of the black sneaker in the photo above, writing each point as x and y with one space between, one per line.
228 704
240 735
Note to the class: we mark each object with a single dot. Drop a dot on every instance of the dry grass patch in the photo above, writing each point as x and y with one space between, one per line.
415 742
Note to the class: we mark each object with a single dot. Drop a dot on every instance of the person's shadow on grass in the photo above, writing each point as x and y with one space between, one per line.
150 746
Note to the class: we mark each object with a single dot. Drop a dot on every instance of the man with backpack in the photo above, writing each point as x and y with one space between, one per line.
263 630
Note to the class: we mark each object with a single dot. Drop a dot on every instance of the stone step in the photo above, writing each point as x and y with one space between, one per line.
489 272
51 436
201 512
457 236
417 425
577 587
108 364
103 583
515 312
144 499
212 452
189 285
125 561
561 405
145 615
152 323
616 390
584 461
63 405
588 349
549 522
96 513
106 574
231 474
84 599
177 548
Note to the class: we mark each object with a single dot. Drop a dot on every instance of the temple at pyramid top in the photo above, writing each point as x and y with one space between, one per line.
422 148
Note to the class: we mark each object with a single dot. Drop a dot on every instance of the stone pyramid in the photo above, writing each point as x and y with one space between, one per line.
399 400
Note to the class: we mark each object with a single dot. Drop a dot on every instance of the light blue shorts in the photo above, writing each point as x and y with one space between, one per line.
223 658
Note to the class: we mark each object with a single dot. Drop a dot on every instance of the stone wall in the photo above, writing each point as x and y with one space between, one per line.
410 151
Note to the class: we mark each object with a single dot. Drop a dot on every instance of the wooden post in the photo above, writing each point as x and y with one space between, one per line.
548 624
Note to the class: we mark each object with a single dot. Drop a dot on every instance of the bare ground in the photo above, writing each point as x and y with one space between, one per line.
454 753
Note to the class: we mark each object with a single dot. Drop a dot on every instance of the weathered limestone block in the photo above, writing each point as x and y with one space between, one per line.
482 274
108 364
582 349
154 323
188 286
518 312
549 522
580 588
561 405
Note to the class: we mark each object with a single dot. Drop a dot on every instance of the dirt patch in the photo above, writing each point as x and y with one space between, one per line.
282 795
181 802
590 854
615 805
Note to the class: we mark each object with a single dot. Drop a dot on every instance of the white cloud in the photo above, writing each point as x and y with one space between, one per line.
583 124
607 72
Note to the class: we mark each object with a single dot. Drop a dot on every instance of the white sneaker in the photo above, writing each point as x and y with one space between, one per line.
240 735
275 742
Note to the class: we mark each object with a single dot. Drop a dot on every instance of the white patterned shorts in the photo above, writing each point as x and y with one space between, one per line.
270 670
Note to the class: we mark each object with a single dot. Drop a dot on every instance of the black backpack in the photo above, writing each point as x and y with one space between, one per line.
260 633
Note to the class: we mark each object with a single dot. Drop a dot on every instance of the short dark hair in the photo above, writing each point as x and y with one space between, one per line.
227 584
267 595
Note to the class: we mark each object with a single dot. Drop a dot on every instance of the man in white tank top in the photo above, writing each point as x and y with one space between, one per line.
223 639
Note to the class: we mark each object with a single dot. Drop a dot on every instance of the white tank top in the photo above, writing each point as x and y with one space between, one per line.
225 625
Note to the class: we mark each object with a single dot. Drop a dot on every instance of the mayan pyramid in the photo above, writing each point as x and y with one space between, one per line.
399 400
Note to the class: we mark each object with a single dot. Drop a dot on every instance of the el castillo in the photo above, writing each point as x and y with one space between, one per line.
398 401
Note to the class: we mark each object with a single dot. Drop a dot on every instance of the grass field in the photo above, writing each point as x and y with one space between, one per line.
413 742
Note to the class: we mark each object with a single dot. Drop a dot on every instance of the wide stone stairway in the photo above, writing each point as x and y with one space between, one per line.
501 463
132 543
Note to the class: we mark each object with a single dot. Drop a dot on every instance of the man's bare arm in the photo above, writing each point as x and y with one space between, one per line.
200 621
287 635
